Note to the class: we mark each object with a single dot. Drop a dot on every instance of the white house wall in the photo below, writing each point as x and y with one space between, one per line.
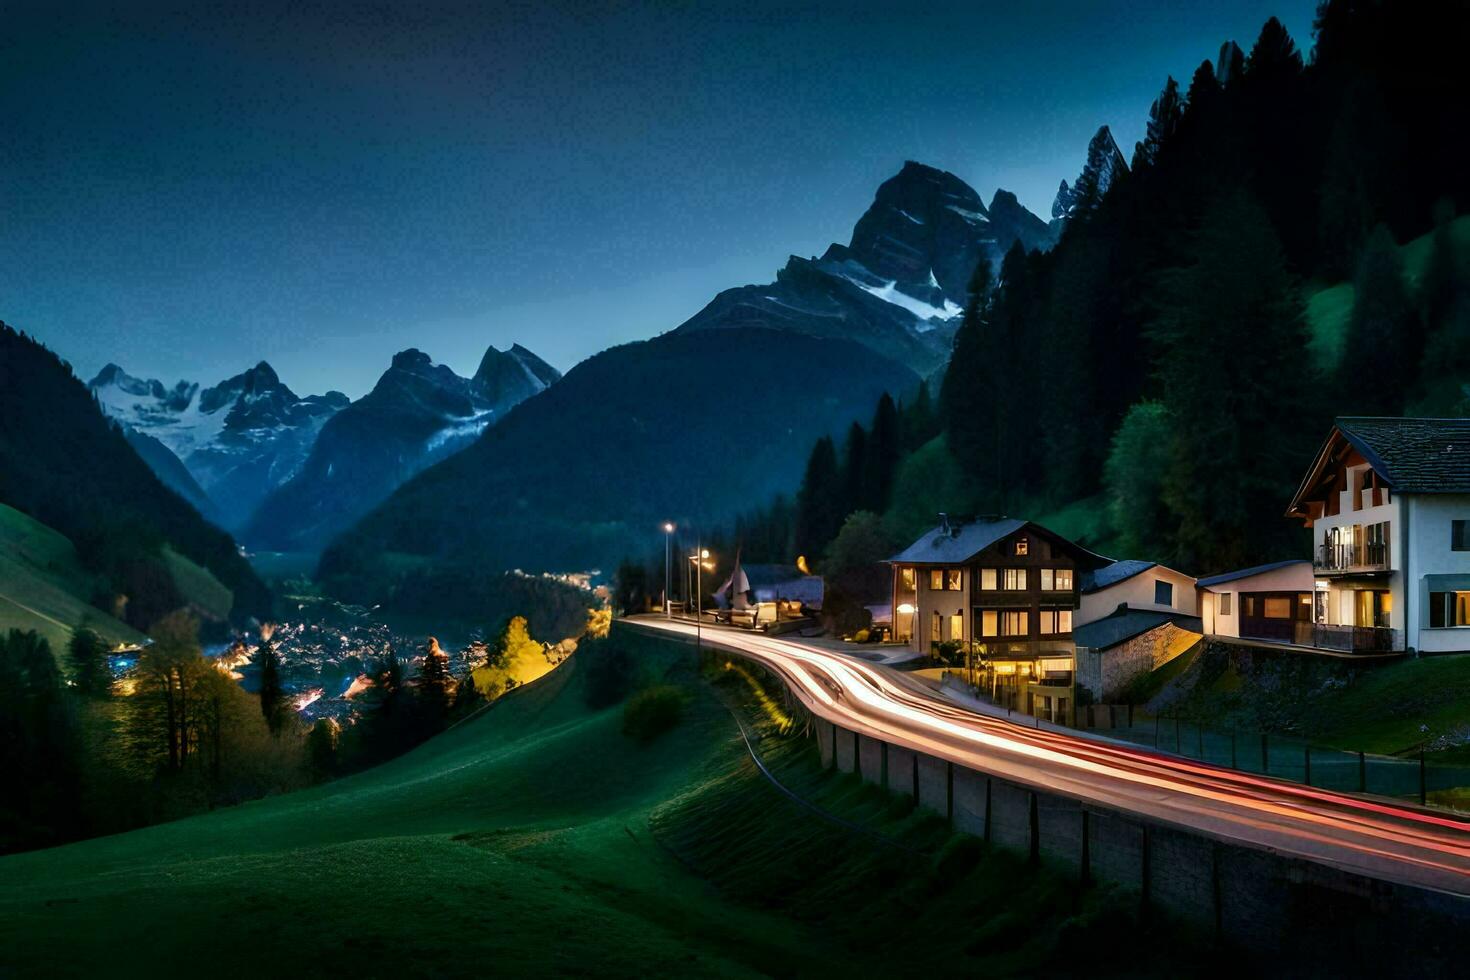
1292 578
1138 593
1428 518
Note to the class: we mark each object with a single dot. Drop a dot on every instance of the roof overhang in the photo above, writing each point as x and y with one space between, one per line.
1335 448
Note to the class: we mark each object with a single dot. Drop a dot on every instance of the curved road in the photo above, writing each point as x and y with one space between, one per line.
1372 837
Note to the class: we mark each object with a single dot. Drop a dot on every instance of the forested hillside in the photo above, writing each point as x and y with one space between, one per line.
1154 380
64 464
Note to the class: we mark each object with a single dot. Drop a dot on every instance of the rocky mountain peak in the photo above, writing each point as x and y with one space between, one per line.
411 359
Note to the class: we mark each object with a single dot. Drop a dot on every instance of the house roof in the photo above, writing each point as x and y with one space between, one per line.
1410 455
1224 577
1118 571
961 541
1125 624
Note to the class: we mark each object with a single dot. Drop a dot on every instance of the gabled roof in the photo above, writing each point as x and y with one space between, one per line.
960 542
1118 571
1224 577
1125 624
1410 455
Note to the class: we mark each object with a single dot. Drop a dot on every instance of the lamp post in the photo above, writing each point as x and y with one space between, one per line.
668 566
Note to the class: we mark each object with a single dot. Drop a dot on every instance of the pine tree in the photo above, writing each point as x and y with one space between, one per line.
435 685
885 448
272 694
1163 120
321 747
89 669
818 503
467 694
1384 344
962 399
1230 326
920 423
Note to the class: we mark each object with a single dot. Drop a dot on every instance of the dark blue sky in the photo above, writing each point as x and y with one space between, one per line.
321 185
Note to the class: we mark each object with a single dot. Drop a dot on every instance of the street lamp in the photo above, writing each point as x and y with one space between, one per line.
668 559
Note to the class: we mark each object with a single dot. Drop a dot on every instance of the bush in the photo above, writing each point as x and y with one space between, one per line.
653 711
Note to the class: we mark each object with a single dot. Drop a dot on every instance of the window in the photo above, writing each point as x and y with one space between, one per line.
1460 535
957 627
955 579
1015 579
1163 593
1224 601
1056 621
1021 547
988 580
1064 580
934 627
1277 607
1056 580
1014 622
1372 607
989 623
1449 609
908 579
936 580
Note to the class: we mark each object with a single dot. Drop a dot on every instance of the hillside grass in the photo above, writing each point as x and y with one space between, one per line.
1391 709
198 585
538 839
1330 306
43 586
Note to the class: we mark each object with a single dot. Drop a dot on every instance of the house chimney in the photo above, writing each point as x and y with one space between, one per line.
943 523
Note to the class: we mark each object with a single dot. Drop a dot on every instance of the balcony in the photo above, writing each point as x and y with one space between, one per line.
1352 558
1349 639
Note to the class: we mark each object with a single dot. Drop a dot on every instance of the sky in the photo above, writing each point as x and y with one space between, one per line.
189 189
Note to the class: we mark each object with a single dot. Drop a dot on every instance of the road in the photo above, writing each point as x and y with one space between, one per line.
1368 836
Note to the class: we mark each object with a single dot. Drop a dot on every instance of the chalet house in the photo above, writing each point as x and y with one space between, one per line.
1007 590
1388 502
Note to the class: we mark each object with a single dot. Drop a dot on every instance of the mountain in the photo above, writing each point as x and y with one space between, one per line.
1104 164
901 282
64 464
417 414
691 426
238 440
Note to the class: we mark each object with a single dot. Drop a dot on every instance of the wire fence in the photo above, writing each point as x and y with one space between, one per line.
1417 778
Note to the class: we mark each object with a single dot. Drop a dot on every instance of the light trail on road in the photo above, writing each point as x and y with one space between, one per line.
1372 837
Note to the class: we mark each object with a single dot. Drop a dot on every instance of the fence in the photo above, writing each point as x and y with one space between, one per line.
1417 778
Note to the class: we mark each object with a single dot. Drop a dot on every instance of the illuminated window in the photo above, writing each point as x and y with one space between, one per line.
1449 609
1015 622
989 623
957 627
1021 546
955 580
1015 579
936 580
987 580
1277 607
1056 580
1055 622
1224 601
908 579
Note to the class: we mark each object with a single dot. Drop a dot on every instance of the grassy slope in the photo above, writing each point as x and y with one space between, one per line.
1389 710
538 839
1329 307
44 588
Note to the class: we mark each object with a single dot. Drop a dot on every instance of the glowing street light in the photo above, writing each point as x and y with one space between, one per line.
668 559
